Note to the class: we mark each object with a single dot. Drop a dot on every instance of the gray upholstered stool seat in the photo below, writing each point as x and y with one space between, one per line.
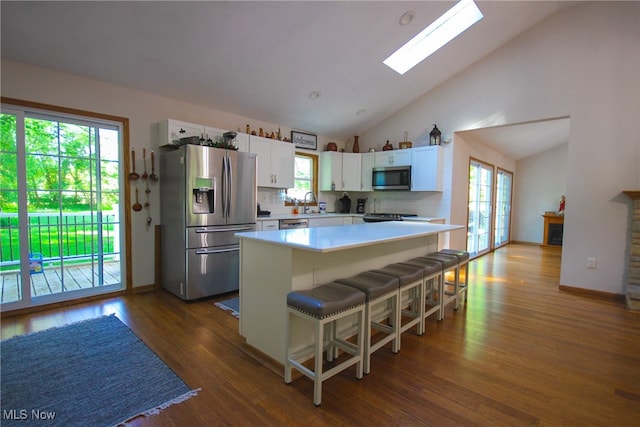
411 281
433 285
324 305
462 255
449 264
325 300
463 264
382 293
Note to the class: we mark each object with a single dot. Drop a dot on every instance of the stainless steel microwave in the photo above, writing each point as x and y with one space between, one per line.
392 178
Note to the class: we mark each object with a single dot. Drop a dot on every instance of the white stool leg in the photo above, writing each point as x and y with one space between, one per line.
456 287
287 364
318 378
367 338
361 328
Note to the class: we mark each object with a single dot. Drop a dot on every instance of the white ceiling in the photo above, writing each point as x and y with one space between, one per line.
259 59
522 140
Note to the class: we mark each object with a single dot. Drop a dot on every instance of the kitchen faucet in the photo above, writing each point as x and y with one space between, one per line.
306 204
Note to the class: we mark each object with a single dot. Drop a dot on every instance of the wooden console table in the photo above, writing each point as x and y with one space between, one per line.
553 230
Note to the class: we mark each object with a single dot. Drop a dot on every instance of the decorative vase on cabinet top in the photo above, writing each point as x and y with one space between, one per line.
356 144
387 147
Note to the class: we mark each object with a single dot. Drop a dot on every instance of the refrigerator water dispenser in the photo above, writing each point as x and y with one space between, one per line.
203 196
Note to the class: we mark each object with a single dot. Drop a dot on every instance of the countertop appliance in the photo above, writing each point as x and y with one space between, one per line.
286 224
345 203
208 194
360 205
392 178
383 217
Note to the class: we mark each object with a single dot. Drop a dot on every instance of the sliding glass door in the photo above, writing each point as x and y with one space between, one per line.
502 220
60 207
479 208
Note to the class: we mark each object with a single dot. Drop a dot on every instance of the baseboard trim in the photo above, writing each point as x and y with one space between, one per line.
44 307
519 242
144 288
593 293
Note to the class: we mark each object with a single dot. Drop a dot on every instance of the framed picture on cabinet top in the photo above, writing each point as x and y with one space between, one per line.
304 140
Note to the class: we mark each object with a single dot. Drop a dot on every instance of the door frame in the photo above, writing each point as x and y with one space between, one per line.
15 308
495 207
491 204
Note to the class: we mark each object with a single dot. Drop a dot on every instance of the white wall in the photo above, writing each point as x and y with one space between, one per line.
582 63
144 111
540 182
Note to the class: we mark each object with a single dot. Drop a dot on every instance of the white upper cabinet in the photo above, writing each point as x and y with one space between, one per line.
242 142
426 168
330 171
366 176
392 158
351 172
275 162
340 171
171 131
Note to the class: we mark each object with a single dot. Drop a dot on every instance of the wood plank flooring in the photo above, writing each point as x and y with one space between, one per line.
520 352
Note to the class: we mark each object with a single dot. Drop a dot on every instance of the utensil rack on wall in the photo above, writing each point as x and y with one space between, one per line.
136 178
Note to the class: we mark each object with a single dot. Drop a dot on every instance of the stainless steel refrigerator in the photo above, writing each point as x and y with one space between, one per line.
208 195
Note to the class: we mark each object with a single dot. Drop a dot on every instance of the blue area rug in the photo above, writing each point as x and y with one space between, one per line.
232 305
91 373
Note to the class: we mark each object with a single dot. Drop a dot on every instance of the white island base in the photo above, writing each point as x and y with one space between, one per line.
274 263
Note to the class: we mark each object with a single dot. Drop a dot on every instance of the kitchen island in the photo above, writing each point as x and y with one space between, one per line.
274 263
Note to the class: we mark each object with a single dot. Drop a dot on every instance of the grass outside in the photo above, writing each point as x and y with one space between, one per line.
72 236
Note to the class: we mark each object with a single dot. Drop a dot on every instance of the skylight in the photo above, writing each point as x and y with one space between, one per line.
457 19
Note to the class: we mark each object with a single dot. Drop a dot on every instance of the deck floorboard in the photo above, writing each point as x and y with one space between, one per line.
53 280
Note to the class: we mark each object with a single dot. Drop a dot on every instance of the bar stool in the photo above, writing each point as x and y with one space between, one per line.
379 289
411 295
449 264
324 305
433 286
463 263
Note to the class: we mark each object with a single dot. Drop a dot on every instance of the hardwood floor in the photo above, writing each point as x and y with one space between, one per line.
520 352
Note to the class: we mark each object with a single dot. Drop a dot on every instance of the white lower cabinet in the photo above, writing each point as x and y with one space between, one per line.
326 222
270 224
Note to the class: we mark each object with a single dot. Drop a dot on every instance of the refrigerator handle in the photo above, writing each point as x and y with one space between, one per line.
224 186
230 187
220 230
215 251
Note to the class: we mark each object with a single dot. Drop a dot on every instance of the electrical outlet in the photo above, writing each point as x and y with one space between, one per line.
591 262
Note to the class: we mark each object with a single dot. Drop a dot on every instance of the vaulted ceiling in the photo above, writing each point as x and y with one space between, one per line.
260 59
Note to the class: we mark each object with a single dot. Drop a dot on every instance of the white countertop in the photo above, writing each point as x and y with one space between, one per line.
309 215
333 215
336 238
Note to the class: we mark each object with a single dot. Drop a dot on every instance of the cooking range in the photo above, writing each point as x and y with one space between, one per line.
384 217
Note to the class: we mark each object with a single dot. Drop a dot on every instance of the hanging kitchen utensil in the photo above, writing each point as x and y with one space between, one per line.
153 175
148 221
147 191
144 159
137 206
133 175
